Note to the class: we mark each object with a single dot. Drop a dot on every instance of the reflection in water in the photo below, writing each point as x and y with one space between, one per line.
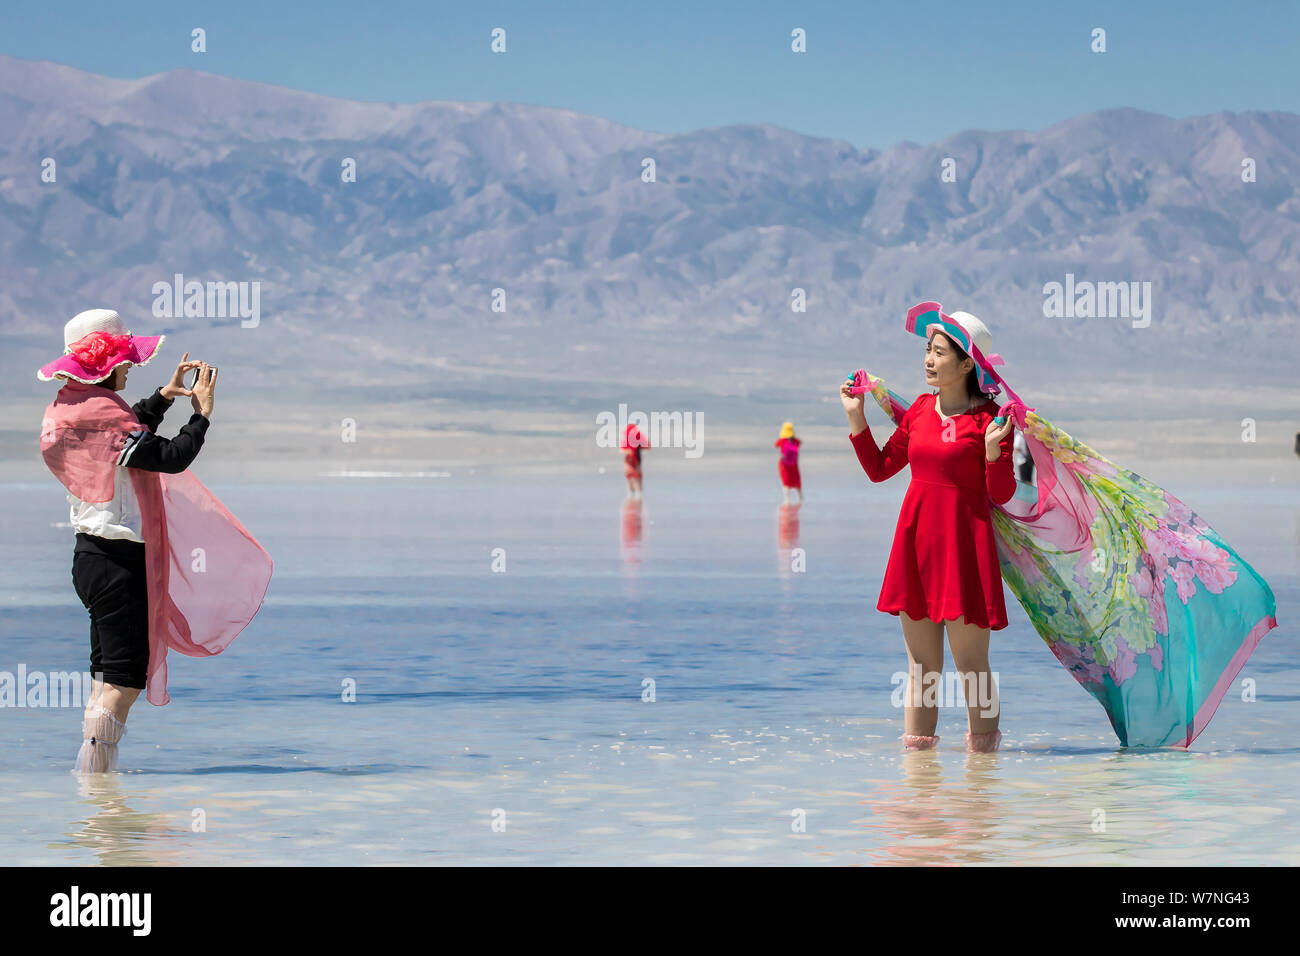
632 531
631 546
918 821
1076 805
117 834
789 628
787 536
1072 802
288 775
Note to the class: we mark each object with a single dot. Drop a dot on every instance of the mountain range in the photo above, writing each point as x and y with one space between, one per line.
605 281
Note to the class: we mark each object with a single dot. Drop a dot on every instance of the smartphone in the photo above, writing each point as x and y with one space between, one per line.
194 376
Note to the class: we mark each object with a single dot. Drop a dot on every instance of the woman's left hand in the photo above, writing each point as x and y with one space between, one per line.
177 385
993 436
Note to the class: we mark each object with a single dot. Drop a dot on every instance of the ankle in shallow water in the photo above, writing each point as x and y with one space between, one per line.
983 743
919 741
101 732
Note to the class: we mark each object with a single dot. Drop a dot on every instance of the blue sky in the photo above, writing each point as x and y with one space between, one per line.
874 74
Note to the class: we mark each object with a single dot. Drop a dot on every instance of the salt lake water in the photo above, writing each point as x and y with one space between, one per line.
519 696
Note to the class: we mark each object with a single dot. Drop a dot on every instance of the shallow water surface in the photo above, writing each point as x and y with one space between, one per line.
506 716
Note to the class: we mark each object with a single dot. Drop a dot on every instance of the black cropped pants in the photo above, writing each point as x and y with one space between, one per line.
109 576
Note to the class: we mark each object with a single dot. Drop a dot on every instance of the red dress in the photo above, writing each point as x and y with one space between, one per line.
789 463
632 462
944 562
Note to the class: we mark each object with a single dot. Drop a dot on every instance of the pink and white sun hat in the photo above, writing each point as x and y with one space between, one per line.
967 331
94 343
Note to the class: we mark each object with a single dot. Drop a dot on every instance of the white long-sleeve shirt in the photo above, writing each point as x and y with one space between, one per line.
119 518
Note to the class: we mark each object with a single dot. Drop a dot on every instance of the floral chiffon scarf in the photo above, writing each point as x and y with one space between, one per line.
1144 604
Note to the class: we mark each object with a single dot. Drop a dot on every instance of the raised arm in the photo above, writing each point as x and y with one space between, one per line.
878 463
150 452
151 410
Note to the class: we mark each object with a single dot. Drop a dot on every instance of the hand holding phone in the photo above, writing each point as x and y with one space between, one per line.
202 389
194 377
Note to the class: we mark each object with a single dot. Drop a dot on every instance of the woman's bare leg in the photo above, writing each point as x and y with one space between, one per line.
970 652
96 692
118 700
924 640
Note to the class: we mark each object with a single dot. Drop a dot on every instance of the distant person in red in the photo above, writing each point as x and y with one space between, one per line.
943 567
632 443
789 463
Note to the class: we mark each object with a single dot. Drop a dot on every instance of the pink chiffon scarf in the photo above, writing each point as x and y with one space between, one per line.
207 576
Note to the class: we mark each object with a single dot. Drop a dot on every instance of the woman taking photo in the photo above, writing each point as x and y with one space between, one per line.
159 563
943 567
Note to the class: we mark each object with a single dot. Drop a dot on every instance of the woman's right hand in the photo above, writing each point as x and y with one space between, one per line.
853 408
201 394
852 403
176 387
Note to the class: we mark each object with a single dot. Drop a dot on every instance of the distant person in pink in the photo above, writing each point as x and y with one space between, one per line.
789 463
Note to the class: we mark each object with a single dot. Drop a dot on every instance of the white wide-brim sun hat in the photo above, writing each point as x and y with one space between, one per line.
94 343
967 331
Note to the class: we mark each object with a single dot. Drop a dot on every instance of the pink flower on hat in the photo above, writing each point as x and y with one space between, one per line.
99 349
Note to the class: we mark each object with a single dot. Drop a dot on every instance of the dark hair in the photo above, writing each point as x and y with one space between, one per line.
972 377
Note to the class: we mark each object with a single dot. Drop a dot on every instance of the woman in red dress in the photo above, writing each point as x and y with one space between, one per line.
631 445
943 568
